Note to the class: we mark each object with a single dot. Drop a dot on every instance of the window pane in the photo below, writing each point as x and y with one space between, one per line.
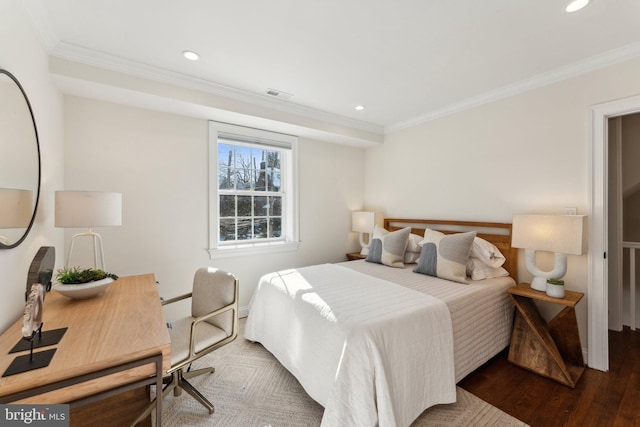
275 227
225 155
227 229
261 206
244 206
226 179
257 155
261 184
227 206
273 180
276 206
254 179
260 228
243 157
273 159
244 229
243 179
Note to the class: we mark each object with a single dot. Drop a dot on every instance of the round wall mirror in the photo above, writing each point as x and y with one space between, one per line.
19 163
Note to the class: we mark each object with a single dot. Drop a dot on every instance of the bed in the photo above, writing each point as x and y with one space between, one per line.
377 345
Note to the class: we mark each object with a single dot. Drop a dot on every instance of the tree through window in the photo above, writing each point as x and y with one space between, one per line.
249 189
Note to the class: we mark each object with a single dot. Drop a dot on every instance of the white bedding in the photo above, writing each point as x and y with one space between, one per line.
373 352
481 312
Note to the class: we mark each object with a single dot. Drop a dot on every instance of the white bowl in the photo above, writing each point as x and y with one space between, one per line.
84 290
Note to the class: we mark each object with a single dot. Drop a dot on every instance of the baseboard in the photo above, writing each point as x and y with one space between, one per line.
243 311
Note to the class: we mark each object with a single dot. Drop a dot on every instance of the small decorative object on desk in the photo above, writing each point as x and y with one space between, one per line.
555 288
78 283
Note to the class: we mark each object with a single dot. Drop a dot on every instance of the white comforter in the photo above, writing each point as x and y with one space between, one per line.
370 351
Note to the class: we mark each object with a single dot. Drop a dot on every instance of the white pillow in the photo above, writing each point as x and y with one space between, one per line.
479 270
412 253
487 252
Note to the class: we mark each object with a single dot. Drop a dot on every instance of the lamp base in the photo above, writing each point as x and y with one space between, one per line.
97 249
539 284
539 281
365 245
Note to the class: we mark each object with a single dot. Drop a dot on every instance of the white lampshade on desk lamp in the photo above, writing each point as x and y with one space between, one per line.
363 223
88 209
560 234
16 209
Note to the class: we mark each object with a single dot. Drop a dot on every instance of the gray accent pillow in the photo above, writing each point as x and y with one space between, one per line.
388 247
375 251
445 256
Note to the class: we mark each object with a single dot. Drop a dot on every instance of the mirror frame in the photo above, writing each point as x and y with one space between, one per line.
35 129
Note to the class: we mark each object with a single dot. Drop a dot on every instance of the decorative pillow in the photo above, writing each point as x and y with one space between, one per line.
479 270
412 253
487 252
445 256
388 248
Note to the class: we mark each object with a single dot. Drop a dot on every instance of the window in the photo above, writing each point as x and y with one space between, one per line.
253 181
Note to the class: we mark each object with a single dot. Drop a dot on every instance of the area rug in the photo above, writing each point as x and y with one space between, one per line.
250 388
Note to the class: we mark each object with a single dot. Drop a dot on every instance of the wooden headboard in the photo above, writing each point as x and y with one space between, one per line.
498 233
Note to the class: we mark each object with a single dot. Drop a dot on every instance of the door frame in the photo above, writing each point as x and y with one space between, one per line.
598 301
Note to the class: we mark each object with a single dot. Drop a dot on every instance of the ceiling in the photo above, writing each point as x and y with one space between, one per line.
406 61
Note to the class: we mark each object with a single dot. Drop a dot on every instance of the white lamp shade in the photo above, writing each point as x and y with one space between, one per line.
363 222
16 208
88 209
565 234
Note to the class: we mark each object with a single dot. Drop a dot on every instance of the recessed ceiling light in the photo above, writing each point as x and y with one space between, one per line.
359 107
576 5
190 55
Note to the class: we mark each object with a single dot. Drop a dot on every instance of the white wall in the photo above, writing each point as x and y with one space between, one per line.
159 161
525 154
22 54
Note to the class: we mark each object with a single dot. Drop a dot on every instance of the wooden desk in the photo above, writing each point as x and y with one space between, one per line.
552 350
123 325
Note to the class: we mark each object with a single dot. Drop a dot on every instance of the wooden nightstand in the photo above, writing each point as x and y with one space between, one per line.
355 255
552 350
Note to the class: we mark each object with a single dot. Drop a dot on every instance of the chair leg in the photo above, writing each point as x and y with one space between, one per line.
176 383
170 384
186 385
192 374
177 391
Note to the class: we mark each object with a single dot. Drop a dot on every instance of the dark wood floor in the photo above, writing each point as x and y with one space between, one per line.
599 399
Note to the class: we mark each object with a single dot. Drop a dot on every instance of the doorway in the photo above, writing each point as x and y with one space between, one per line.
600 215
624 213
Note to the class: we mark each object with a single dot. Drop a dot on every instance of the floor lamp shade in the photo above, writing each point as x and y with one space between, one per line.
16 208
88 209
561 234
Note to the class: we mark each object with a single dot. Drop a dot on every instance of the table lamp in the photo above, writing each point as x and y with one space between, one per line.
16 209
363 223
560 234
88 209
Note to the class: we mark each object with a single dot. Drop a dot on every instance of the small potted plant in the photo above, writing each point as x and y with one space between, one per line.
82 283
555 288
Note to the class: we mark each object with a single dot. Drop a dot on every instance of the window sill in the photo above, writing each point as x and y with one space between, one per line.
253 249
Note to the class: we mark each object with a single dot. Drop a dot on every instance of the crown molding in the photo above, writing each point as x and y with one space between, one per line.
106 61
596 62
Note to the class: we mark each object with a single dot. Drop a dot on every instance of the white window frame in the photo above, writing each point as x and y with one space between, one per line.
290 213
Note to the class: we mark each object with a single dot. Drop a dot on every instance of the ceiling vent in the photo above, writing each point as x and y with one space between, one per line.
278 93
